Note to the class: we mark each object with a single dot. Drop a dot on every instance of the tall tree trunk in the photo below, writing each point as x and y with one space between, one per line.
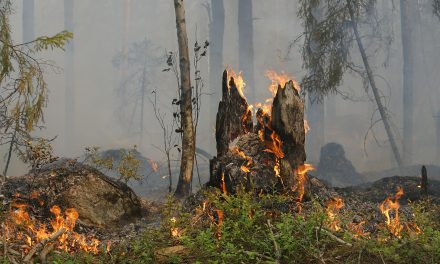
188 142
216 33
28 20
315 119
437 117
246 46
70 79
408 13
375 90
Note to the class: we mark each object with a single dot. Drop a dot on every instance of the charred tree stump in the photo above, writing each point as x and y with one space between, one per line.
263 158
288 123
233 117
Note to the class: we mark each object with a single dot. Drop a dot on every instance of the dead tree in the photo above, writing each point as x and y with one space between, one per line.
263 157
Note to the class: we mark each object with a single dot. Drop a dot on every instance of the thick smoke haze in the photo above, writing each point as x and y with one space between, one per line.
99 37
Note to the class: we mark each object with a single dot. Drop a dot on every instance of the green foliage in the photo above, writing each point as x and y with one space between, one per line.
23 91
127 167
328 41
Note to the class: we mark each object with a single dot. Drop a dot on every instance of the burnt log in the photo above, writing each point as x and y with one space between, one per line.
263 159
234 117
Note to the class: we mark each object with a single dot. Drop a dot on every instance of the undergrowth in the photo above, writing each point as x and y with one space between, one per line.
248 229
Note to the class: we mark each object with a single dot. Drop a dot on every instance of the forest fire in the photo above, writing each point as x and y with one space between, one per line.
301 179
392 204
332 208
20 225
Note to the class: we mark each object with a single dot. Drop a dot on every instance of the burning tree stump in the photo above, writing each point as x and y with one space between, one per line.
288 123
233 117
264 158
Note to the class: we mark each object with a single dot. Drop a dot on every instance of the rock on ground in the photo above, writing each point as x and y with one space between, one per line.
100 200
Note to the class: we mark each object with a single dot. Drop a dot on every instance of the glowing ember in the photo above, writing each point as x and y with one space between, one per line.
223 184
333 207
238 80
393 224
358 229
245 169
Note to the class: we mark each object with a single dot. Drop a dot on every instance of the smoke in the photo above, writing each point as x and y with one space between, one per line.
99 36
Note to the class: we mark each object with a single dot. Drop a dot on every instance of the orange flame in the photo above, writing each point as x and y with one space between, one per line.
154 166
238 80
245 169
393 224
333 207
279 79
19 218
301 178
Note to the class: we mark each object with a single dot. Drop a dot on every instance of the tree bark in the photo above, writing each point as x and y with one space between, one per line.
256 154
216 33
188 143
288 122
246 45
70 79
233 118
382 111
408 13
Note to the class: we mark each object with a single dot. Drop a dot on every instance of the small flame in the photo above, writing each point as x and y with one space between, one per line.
301 178
333 207
306 126
238 80
154 166
358 229
393 224
223 184
279 79
245 169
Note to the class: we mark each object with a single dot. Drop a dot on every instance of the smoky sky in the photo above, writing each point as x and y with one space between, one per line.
99 36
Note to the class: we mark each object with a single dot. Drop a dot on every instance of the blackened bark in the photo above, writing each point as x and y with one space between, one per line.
288 123
233 117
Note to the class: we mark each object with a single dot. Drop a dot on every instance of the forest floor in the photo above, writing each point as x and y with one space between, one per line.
349 225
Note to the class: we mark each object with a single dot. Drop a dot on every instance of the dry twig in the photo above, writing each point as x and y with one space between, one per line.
42 243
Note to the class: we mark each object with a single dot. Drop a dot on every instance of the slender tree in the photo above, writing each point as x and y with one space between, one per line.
70 79
246 45
332 38
408 15
187 127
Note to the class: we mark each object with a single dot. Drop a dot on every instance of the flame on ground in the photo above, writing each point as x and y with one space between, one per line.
21 226
301 179
333 207
392 204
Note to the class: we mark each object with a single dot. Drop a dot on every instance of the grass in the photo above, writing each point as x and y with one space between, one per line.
248 229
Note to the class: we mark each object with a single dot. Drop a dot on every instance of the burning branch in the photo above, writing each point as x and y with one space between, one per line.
43 242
